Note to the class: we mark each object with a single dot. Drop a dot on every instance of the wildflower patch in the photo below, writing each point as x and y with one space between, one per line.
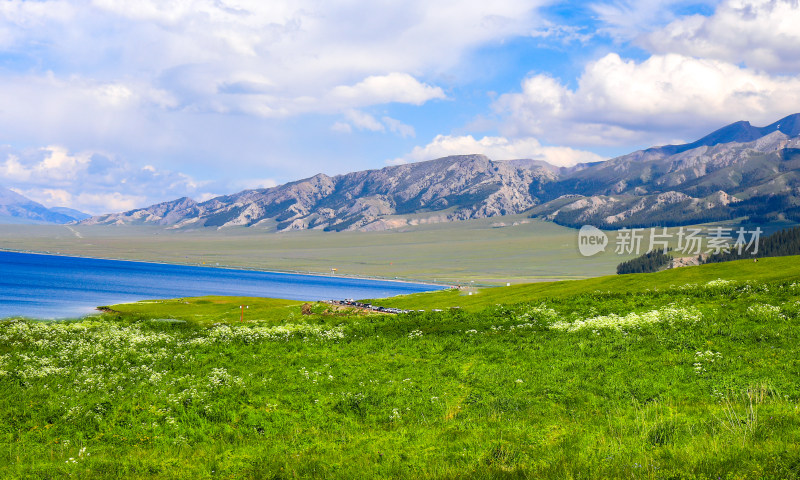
668 315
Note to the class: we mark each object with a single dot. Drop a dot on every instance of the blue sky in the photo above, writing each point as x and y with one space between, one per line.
107 105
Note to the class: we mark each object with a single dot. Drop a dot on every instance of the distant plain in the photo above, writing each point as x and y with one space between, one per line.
476 251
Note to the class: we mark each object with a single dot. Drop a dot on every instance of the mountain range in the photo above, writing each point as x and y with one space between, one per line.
737 171
16 208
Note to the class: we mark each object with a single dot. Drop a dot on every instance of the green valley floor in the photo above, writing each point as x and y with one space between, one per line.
689 373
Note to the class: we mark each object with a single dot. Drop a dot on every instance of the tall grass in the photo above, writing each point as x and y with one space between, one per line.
684 381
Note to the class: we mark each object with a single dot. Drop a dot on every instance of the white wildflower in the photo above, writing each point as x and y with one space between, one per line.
669 314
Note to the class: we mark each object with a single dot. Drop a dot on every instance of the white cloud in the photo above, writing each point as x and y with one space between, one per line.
364 121
342 127
90 181
203 197
97 182
50 166
252 184
397 127
395 87
268 59
84 201
621 101
48 108
13 171
497 148
198 81
628 19
762 34
564 33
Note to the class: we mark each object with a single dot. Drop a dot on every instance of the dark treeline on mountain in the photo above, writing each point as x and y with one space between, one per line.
651 261
761 209
779 244
769 208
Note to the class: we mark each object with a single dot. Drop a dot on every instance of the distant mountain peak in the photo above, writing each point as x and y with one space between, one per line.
71 212
448 188
740 132
789 126
16 208
739 174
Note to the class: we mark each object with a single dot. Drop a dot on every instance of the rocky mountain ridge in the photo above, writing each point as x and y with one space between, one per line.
737 171
454 188
759 179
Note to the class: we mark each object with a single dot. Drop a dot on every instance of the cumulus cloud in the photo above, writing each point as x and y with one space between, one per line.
758 33
93 182
563 33
263 58
496 148
618 100
364 121
195 80
379 89
252 184
84 201
399 128
342 127
628 19
52 108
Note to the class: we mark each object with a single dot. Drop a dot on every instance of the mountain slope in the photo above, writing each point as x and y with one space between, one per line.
16 208
71 212
459 187
739 132
706 183
737 171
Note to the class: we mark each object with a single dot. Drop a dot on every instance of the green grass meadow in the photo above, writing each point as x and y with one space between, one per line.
689 373
765 270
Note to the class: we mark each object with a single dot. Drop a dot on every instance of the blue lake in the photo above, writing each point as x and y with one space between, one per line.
49 286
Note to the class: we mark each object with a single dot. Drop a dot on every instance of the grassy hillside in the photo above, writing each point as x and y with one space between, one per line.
690 373
765 270
204 311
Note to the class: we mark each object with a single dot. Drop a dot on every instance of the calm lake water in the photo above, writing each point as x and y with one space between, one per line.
48 286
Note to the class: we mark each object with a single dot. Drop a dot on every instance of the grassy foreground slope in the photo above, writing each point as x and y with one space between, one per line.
765 270
205 311
691 373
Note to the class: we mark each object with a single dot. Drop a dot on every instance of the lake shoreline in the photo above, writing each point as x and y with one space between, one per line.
244 269
50 285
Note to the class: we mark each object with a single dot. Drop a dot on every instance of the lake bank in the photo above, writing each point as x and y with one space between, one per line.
454 253
57 286
246 268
